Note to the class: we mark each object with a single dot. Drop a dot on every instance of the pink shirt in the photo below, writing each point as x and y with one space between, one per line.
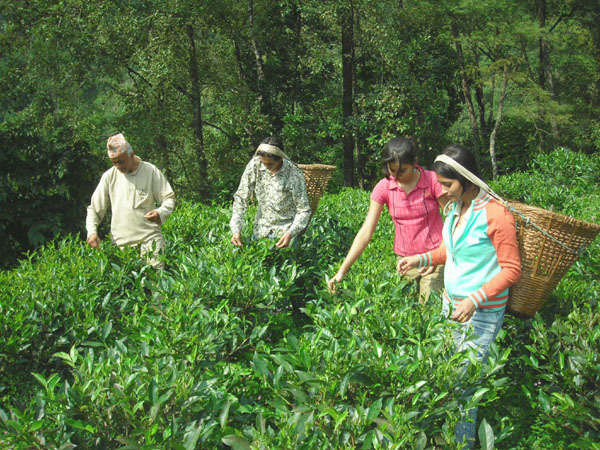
416 216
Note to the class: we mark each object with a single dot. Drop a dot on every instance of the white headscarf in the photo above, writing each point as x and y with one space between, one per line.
271 150
468 175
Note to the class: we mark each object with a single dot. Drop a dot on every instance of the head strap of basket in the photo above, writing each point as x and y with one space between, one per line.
317 177
543 238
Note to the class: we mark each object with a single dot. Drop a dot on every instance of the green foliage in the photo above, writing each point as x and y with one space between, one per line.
563 181
214 350
246 348
41 194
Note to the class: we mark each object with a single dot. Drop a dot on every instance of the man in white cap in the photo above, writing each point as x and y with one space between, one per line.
132 188
278 184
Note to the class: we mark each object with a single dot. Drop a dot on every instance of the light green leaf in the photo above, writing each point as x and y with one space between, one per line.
236 442
486 435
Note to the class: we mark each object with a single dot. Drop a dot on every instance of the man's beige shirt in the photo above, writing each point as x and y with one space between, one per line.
130 196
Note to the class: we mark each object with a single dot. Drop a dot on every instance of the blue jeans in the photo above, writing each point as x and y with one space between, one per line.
484 326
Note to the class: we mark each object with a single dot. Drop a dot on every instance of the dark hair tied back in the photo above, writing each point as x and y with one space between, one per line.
462 156
402 150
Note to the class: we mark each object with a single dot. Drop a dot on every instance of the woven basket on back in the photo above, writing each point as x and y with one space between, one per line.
543 260
317 177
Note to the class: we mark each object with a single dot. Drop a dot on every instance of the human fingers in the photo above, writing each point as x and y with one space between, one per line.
152 216
403 265
331 285
93 241
424 271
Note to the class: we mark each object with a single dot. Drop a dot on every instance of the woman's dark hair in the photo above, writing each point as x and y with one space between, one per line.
272 140
401 150
462 156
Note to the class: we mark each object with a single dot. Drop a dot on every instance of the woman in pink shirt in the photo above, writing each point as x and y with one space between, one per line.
412 196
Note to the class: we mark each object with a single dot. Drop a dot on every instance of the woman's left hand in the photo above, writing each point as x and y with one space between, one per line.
424 271
464 311
284 241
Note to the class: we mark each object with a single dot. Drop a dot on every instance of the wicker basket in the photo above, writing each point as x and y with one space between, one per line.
317 177
544 261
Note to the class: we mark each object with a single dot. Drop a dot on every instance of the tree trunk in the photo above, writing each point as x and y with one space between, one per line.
238 58
359 141
196 97
541 15
480 99
467 94
545 79
347 95
497 124
260 73
296 26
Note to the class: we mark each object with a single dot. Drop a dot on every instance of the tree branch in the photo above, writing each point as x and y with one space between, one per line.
562 16
230 136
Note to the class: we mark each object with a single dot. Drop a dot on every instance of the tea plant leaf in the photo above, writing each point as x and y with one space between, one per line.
421 441
374 409
80 425
478 394
106 329
191 436
260 365
224 413
486 435
236 442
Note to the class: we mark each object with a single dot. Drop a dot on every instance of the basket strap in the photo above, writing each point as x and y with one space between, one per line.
528 221
480 183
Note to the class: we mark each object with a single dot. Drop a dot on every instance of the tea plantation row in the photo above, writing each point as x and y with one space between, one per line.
100 351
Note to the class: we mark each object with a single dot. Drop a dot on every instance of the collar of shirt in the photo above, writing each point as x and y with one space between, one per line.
421 184
137 169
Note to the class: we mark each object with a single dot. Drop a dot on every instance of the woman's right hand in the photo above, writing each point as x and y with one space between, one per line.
407 263
236 240
332 282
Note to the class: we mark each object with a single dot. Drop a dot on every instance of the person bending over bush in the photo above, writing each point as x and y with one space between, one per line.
280 190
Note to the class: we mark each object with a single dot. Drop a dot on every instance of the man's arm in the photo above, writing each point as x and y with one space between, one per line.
97 210
163 194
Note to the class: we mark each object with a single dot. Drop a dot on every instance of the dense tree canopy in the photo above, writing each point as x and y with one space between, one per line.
195 86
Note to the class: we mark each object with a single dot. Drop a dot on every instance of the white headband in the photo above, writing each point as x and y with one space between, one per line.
468 175
271 150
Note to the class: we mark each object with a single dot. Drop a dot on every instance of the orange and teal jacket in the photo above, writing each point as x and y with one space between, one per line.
482 261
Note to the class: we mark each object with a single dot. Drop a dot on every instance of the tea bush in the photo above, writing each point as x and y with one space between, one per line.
246 348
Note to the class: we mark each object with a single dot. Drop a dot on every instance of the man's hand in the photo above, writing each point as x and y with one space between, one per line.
407 263
333 282
284 241
464 311
152 216
236 240
93 240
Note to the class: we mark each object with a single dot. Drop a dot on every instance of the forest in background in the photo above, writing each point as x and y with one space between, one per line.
195 85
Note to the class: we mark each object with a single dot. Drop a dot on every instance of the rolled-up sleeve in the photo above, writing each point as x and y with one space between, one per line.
163 194
300 197
242 197
98 206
